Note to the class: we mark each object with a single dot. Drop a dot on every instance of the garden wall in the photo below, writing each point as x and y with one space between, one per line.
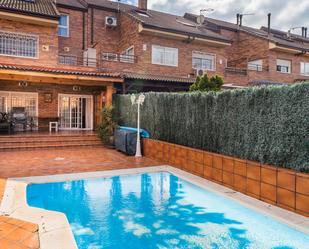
281 187
269 125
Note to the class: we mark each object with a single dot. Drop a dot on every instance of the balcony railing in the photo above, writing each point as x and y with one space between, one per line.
256 67
126 58
234 70
73 60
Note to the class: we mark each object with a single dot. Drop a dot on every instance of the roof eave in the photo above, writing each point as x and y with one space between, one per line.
64 6
286 48
45 16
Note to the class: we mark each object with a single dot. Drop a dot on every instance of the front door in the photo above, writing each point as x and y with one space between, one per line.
76 112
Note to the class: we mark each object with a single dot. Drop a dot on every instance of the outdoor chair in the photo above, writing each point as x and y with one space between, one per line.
19 118
5 124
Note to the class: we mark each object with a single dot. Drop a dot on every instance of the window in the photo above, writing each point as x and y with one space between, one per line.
19 45
128 55
283 66
256 65
106 56
203 61
9 100
164 56
304 68
63 27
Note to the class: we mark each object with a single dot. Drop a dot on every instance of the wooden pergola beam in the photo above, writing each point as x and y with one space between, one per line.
42 77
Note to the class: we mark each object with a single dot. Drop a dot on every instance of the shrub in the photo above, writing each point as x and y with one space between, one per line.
206 84
108 124
266 124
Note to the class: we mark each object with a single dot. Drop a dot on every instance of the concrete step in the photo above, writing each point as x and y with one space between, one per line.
48 141
48 146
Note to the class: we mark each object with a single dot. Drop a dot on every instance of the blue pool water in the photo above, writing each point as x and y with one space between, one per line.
156 211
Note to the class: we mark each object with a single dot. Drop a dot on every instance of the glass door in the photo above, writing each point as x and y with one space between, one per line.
75 112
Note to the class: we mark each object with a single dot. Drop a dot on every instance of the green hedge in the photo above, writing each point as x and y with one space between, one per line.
266 124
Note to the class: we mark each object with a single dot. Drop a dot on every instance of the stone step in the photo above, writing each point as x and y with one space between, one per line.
48 139
44 136
48 145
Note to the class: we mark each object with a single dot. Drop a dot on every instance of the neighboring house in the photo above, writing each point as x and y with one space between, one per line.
154 51
262 56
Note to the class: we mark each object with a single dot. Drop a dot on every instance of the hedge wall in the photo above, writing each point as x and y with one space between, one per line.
267 124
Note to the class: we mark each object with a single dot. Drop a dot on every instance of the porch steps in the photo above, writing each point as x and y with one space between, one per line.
46 141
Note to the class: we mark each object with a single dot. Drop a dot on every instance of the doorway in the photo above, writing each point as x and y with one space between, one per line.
75 112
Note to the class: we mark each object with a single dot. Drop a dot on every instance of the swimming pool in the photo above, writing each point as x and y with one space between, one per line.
159 210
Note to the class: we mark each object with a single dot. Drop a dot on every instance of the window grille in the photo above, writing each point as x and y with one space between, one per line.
20 45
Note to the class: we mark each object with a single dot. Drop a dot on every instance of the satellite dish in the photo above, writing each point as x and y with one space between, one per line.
200 19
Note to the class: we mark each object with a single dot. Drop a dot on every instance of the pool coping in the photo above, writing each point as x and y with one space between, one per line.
54 228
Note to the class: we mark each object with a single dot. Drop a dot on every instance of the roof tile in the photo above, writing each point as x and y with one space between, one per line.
44 8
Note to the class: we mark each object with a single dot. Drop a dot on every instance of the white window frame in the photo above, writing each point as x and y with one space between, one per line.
289 68
65 27
303 66
255 65
126 57
90 97
107 56
164 63
202 55
36 37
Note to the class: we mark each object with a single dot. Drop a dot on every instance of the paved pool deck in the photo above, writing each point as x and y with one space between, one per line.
18 234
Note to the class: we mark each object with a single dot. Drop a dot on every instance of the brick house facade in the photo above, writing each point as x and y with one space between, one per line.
34 81
265 44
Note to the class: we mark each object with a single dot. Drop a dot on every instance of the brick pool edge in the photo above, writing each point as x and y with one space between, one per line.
284 188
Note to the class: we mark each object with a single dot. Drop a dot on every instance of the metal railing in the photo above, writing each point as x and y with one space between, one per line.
126 58
234 70
73 60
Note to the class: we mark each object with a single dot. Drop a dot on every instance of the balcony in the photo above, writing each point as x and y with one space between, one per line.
107 61
238 71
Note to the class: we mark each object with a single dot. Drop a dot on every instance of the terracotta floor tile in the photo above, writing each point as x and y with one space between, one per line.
15 222
32 241
18 235
6 228
30 227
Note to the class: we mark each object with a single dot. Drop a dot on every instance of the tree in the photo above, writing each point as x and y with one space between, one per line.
206 84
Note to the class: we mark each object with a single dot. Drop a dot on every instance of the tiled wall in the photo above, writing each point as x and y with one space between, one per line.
281 187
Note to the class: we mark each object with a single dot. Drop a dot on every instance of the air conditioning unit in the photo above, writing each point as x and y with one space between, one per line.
199 72
111 21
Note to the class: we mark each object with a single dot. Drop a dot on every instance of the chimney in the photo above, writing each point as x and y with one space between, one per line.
240 19
303 31
268 24
237 17
142 4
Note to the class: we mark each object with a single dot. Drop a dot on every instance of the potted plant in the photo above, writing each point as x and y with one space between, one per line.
107 127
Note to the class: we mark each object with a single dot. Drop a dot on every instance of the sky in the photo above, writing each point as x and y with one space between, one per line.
286 14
